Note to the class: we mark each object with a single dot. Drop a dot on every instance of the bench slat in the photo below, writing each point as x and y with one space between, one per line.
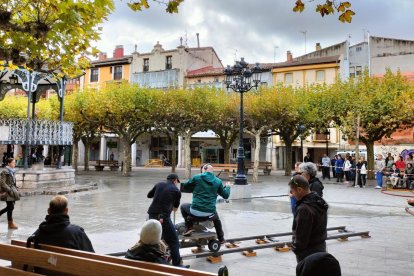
110 259
74 265
9 271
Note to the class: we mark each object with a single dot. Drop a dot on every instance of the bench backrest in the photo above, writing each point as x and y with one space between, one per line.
70 265
107 162
115 260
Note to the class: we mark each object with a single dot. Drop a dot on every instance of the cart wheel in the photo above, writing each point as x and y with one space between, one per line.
214 245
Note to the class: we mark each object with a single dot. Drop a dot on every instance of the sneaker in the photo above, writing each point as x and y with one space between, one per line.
223 241
188 232
378 187
357 186
184 266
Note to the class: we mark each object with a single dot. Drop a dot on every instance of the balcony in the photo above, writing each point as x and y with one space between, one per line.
156 79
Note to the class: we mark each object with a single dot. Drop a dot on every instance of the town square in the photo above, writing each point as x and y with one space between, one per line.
186 137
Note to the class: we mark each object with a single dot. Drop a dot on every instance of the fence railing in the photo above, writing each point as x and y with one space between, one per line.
41 132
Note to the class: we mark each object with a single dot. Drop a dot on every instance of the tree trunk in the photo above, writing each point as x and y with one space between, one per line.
370 157
127 155
86 156
75 155
288 155
187 155
226 154
256 157
173 153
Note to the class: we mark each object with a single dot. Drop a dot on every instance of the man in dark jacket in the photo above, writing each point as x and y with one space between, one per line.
165 199
310 220
205 188
58 231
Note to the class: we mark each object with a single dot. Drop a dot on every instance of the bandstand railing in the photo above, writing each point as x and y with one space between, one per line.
42 132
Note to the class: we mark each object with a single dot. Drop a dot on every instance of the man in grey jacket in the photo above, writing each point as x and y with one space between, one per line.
379 168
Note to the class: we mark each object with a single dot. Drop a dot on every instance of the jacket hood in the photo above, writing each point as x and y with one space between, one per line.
313 199
209 178
54 223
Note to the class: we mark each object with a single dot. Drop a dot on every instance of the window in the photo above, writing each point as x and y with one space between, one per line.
320 75
94 74
358 70
288 78
168 62
358 49
146 65
352 71
118 72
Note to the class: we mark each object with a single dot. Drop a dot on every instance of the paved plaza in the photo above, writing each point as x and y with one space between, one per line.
113 214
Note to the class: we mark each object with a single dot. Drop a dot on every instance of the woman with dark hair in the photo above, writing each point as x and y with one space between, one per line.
409 176
9 190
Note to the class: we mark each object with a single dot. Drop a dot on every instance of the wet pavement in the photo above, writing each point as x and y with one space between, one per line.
113 214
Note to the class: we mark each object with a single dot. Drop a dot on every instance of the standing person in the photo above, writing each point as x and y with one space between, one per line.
409 176
310 220
205 188
409 159
362 166
165 199
326 162
112 156
292 198
9 190
149 248
339 169
387 159
379 171
347 169
58 231
309 171
333 161
307 158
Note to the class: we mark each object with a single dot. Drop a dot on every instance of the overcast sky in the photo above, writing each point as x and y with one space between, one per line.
259 30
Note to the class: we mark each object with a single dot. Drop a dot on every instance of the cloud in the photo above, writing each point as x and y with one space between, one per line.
252 28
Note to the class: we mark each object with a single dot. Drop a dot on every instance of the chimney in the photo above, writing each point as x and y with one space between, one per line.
198 40
119 51
289 56
102 56
318 46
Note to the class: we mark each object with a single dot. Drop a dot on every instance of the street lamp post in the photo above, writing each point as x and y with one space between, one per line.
301 129
240 78
327 138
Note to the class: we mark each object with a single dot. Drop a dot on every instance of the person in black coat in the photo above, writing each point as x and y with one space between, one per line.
310 220
309 171
58 231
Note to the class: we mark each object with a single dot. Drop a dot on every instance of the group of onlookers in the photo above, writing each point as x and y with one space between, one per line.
396 173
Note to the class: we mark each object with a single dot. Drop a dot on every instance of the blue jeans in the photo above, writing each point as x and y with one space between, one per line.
169 235
293 204
378 177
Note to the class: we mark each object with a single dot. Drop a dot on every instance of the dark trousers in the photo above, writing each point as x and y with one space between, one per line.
169 235
362 179
339 176
333 171
326 173
185 211
9 209
347 175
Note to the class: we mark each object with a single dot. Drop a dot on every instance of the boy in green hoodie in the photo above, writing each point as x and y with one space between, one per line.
205 188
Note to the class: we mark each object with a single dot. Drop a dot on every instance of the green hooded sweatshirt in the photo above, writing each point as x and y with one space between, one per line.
205 188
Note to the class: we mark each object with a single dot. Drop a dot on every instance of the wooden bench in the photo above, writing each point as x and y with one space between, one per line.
263 165
230 169
154 163
112 164
74 262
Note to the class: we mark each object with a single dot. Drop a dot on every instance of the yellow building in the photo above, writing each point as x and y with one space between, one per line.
106 70
309 71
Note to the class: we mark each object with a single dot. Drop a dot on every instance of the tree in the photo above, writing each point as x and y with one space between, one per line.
327 7
258 121
51 35
290 109
172 5
224 121
382 104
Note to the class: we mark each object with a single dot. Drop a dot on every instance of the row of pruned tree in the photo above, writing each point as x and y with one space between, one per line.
382 106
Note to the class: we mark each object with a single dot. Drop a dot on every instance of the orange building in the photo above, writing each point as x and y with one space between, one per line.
107 70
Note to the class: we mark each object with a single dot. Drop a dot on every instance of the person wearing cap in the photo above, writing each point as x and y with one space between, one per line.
149 248
205 188
310 219
165 199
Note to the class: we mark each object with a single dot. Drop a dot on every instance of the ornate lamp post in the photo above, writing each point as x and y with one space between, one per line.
301 129
240 78
327 138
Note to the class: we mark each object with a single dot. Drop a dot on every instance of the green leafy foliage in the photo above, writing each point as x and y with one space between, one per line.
171 5
328 7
